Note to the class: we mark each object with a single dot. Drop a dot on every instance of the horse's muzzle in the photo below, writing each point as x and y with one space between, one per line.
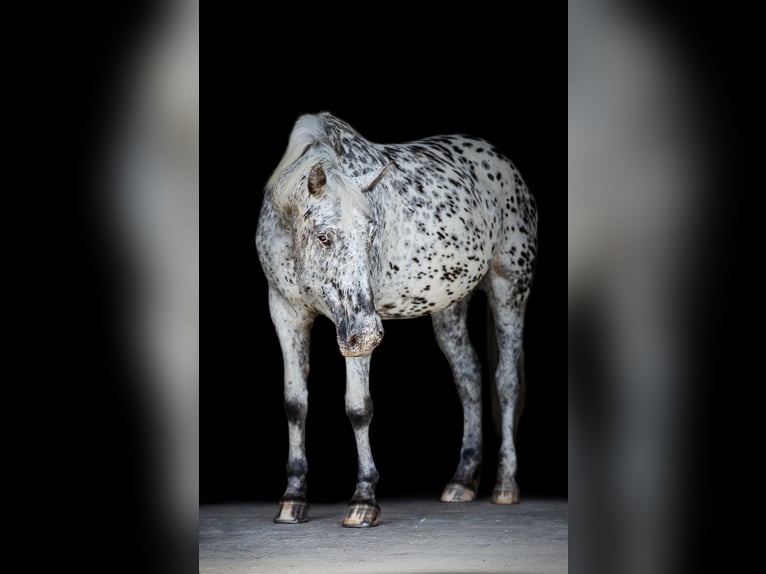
361 337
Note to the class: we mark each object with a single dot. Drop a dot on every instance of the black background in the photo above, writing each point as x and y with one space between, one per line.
500 78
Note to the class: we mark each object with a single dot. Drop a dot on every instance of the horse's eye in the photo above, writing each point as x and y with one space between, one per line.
323 238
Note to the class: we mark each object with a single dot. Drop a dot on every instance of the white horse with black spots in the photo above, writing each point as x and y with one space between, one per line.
361 232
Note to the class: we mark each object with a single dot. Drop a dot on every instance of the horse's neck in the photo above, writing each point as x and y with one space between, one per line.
356 154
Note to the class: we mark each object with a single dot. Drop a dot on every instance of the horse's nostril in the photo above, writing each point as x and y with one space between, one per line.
352 340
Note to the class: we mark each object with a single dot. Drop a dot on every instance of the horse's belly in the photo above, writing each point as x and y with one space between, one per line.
438 242
426 283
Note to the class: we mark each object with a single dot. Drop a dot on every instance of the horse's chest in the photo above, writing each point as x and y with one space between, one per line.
274 248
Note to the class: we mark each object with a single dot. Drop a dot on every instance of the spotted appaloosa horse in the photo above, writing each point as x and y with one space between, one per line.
360 232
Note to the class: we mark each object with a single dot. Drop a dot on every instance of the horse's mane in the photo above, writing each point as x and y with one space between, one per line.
310 143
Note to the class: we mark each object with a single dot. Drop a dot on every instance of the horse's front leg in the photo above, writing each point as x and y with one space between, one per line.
363 511
293 329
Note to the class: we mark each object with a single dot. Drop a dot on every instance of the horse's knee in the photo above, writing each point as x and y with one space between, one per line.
360 413
295 410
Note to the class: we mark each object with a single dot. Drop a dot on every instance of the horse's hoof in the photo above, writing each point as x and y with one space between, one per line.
505 494
292 512
362 515
455 492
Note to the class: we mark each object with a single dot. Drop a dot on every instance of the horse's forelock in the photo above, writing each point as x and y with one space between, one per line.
286 186
351 197
308 146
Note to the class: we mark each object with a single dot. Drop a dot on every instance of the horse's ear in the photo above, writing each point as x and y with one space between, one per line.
317 180
367 184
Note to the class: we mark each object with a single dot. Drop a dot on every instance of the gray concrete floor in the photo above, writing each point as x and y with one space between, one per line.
415 536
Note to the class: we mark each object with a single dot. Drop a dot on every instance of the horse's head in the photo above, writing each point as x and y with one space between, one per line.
335 250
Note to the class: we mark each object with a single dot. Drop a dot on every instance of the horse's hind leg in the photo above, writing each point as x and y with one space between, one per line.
452 335
507 298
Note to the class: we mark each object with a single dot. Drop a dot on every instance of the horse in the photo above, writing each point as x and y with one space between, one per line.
361 232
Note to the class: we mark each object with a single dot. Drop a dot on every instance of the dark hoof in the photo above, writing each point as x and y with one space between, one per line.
292 512
362 515
506 494
455 492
